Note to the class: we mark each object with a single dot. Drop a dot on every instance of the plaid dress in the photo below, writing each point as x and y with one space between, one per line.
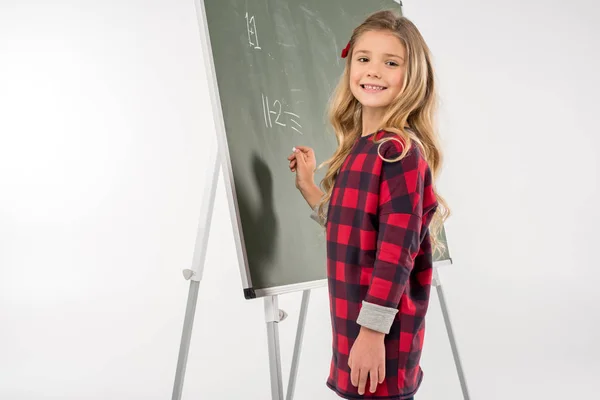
379 252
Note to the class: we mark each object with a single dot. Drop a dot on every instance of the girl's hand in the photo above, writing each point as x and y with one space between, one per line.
303 162
367 358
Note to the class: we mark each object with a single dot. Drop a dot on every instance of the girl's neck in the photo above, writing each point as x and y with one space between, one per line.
371 119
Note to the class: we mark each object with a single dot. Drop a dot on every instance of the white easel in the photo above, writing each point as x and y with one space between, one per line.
273 315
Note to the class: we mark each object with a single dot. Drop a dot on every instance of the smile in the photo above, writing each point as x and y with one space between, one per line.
373 88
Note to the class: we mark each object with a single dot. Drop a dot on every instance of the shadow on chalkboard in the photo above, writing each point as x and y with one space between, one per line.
259 222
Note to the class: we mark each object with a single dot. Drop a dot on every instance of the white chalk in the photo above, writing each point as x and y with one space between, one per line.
294 149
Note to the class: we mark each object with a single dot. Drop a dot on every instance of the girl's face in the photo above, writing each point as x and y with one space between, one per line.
377 69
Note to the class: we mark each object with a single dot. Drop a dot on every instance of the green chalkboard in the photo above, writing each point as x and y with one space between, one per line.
443 256
275 64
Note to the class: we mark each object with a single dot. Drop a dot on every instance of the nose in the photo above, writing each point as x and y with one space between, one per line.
374 73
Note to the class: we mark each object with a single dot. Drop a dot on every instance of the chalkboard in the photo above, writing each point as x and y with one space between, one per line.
274 65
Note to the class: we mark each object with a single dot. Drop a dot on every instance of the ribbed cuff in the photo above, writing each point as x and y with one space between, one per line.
376 317
315 216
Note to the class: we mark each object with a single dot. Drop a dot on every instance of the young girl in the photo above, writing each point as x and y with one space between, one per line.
378 206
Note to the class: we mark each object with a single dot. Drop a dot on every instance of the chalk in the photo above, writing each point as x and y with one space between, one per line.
294 149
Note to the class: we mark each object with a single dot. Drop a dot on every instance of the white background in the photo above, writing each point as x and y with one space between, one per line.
105 128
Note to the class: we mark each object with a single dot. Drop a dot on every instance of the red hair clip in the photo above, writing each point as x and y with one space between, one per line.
346 50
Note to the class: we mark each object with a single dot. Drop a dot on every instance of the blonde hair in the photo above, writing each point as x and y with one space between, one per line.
414 107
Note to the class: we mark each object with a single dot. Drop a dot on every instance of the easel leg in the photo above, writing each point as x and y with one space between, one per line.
444 307
186 337
196 271
272 317
298 345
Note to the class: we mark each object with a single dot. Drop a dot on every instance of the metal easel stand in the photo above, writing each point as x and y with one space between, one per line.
461 375
194 274
273 315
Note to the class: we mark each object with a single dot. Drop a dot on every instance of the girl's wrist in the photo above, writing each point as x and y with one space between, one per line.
308 187
311 193
371 333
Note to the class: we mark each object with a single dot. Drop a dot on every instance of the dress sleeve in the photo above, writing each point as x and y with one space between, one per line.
398 238
315 216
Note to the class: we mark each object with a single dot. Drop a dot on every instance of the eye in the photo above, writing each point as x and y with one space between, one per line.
362 59
392 63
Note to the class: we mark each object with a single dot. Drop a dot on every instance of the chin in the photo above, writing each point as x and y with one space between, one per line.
373 103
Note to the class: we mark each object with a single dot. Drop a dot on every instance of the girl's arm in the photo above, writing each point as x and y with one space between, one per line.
303 162
404 194
312 194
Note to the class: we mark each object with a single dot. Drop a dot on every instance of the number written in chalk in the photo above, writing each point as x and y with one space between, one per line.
252 32
275 114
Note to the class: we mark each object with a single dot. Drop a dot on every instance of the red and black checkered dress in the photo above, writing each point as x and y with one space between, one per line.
379 251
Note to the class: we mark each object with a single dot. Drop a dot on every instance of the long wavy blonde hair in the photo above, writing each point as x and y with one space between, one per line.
415 108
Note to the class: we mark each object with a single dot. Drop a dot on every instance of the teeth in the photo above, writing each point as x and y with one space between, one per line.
373 87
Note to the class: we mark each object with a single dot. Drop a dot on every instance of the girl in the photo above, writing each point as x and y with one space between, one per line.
378 206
